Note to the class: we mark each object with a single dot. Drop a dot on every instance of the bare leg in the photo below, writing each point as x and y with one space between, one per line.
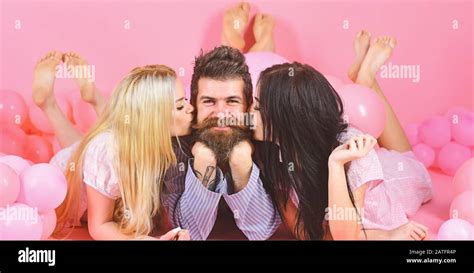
409 231
263 33
233 25
43 85
393 137
89 92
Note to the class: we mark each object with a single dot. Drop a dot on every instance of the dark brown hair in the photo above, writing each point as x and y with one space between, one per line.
301 112
221 63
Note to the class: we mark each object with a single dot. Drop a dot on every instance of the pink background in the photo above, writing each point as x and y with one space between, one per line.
173 32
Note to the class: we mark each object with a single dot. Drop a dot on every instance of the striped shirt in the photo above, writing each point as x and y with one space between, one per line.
192 206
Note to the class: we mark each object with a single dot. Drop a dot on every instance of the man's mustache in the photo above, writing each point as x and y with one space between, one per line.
209 123
221 143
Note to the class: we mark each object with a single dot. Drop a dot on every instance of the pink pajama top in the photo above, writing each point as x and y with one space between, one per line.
398 184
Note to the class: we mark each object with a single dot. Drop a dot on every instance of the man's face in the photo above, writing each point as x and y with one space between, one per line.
220 116
220 99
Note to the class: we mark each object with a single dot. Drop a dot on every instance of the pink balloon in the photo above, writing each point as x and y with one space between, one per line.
455 229
43 186
456 111
411 130
12 140
84 114
435 131
9 185
452 156
38 149
462 128
435 162
12 108
39 119
425 154
17 163
259 61
462 207
21 223
49 223
363 108
464 178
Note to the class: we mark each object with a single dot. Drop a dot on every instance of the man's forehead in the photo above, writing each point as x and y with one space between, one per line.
221 88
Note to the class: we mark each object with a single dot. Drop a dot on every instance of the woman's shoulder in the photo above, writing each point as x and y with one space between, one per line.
98 165
101 144
101 138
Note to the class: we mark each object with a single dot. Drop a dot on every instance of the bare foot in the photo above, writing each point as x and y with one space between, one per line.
86 85
44 76
409 231
378 53
263 33
233 25
361 46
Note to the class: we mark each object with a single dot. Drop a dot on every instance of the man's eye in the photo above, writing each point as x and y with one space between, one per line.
234 101
180 108
256 108
207 101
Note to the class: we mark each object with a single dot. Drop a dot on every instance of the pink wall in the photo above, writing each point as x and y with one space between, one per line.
173 32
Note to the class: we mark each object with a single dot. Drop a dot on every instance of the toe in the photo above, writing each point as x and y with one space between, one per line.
245 7
393 42
420 232
415 235
57 56
51 56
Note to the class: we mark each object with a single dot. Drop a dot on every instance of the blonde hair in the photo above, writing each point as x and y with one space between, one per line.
139 115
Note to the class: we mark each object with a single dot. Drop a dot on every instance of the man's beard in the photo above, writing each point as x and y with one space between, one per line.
221 142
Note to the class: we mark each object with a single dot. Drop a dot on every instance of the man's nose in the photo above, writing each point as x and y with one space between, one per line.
221 109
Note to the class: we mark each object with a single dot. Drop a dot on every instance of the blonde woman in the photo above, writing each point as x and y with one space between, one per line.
116 170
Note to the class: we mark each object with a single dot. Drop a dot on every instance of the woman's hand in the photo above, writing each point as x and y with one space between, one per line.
176 234
354 148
